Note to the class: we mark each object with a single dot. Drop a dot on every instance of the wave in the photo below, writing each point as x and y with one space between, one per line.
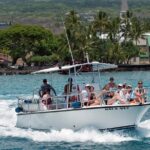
144 128
8 129
66 135
11 97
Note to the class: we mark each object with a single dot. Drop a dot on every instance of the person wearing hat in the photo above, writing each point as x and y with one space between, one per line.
140 92
130 94
119 87
46 87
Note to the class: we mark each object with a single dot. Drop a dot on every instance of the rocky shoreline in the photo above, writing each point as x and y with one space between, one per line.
22 71
29 70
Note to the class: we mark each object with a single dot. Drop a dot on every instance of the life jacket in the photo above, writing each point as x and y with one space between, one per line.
131 96
140 90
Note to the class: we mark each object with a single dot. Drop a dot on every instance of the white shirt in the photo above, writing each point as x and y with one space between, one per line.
123 96
84 95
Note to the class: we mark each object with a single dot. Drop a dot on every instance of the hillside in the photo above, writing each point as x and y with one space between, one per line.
47 12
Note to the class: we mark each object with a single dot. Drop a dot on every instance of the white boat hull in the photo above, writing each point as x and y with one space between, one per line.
101 117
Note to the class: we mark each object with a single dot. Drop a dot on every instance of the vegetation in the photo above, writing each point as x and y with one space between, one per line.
35 44
44 11
24 41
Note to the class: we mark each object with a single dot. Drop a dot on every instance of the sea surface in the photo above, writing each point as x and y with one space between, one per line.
11 137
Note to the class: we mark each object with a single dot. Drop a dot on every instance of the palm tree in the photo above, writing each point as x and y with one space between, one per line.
101 23
125 26
136 29
113 30
77 34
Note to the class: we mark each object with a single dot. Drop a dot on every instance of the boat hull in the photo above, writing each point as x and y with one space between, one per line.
101 117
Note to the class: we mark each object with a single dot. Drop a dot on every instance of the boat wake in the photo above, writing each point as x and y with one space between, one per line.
8 129
144 128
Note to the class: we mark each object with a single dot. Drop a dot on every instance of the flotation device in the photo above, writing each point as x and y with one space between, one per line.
76 104
28 101
19 109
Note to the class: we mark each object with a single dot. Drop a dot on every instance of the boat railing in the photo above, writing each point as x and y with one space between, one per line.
72 100
58 102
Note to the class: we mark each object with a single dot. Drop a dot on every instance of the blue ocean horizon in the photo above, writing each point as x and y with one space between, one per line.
11 137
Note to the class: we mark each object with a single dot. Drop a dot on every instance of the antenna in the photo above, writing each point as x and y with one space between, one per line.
75 73
87 57
68 43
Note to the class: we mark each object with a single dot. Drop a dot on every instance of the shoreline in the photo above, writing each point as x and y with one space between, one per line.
29 70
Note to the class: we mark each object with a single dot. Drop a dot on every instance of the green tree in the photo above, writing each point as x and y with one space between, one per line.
136 29
23 40
77 35
130 50
101 23
126 25
114 29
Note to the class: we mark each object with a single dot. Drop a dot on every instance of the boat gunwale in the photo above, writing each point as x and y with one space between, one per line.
82 108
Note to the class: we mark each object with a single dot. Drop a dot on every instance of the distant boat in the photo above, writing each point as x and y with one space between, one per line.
62 114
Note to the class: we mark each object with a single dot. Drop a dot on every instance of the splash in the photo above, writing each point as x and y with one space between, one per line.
7 113
66 135
144 128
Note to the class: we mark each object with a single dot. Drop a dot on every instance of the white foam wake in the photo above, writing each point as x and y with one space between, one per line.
144 128
7 113
66 135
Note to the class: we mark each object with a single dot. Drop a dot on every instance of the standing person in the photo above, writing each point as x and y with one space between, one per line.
111 83
68 86
46 87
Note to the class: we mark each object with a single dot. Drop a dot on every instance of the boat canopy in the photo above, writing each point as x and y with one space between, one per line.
100 66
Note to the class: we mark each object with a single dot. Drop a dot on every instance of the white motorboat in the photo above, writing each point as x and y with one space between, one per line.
33 114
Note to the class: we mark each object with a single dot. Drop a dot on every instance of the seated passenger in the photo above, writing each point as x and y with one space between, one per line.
85 95
140 92
46 99
131 95
105 94
92 94
118 98
124 85
123 95
119 87
93 100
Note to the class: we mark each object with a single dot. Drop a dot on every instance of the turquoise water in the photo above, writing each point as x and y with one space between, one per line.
12 137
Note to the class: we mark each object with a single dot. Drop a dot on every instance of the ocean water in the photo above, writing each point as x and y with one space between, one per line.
11 137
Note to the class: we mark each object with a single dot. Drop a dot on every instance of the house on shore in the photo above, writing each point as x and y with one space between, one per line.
144 45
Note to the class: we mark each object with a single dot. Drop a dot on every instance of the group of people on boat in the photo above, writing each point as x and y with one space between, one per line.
111 94
122 93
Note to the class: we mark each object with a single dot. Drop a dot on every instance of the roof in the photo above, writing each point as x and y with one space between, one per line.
68 67
146 34
140 42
